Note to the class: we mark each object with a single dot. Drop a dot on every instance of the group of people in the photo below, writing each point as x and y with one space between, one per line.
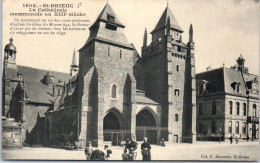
130 152
97 154
231 140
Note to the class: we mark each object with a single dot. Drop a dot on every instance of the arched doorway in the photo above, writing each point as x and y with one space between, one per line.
112 126
146 126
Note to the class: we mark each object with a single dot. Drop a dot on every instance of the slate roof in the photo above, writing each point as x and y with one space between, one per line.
100 33
220 80
107 10
145 100
37 75
163 21
36 90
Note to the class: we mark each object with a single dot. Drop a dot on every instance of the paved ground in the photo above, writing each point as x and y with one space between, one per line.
244 151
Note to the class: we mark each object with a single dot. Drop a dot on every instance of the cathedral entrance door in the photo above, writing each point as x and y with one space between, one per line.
146 126
111 129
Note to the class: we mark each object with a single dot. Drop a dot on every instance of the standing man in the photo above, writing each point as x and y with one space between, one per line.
132 147
88 150
231 139
237 140
145 147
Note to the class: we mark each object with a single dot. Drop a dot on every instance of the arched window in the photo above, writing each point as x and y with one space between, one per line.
113 91
177 92
176 117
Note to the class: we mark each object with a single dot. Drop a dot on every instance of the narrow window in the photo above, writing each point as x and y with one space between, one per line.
237 88
244 128
254 110
179 49
113 93
244 106
200 108
176 92
176 117
177 67
120 53
237 127
108 50
238 108
230 107
214 108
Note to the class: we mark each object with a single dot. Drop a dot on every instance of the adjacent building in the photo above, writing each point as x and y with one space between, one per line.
27 93
228 103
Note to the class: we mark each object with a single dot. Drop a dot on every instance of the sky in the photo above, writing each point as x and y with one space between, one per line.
223 29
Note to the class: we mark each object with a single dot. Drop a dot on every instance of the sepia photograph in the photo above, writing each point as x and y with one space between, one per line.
139 80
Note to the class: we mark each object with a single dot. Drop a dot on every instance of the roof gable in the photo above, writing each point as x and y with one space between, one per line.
106 12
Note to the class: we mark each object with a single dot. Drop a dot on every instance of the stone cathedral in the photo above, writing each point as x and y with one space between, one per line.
111 93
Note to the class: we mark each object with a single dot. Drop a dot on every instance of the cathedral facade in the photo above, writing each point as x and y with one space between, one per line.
112 93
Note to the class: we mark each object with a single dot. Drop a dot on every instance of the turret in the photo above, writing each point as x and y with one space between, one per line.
49 78
74 67
191 34
10 53
191 43
241 62
145 38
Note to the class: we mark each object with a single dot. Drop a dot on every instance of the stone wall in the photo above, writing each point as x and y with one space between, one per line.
11 134
33 125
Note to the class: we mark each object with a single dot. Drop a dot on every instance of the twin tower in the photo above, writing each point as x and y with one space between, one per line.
123 94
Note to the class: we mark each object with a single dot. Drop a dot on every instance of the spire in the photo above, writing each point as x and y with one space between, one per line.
145 38
74 67
163 20
191 34
74 60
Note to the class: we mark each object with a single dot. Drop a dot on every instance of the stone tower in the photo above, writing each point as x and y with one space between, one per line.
10 77
169 78
106 81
